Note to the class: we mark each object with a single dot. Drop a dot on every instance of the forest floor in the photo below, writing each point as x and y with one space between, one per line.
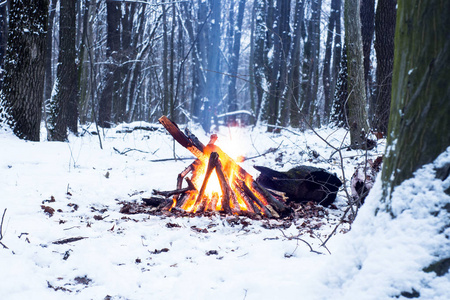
67 239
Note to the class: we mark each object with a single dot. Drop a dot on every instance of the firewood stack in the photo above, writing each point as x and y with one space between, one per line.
238 193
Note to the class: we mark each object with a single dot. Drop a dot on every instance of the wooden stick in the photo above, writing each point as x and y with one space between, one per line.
252 196
182 199
227 192
176 192
180 137
252 208
281 208
210 168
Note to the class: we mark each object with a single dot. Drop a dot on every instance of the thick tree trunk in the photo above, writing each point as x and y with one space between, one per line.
420 109
3 36
64 106
357 115
23 84
384 47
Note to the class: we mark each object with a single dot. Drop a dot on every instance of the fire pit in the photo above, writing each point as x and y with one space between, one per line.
218 183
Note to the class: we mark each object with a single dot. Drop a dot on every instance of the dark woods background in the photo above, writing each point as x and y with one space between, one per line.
277 62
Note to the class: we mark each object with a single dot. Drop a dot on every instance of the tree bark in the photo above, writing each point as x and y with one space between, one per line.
328 75
384 47
357 115
64 105
367 15
234 60
281 45
110 90
23 85
293 92
3 37
310 67
48 83
420 109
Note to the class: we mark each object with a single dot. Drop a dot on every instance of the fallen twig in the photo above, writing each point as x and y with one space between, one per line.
126 150
1 230
68 240
336 227
300 239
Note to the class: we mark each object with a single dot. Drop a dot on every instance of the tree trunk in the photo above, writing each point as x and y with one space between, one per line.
340 106
234 60
420 109
64 106
310 67
293 91
23 84
48 82
165 63
337 48
260 56
326 76
367 15
3 37
110 82
213 73
357 115
384 47
281 45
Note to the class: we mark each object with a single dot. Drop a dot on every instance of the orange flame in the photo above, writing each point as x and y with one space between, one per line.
213 196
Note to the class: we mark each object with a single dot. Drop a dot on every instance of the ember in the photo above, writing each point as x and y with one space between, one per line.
229 189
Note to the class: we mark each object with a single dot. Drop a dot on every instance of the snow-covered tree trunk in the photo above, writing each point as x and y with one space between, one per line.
327 74
23 85
419 122
420 109
3 36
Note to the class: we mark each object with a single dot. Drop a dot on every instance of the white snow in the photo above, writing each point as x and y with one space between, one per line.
120 255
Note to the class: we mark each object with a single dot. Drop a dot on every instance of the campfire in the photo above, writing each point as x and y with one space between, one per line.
217 183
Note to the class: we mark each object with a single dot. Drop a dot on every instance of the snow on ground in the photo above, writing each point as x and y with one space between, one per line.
150 257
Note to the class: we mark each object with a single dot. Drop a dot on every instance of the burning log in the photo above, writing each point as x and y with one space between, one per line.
237 193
